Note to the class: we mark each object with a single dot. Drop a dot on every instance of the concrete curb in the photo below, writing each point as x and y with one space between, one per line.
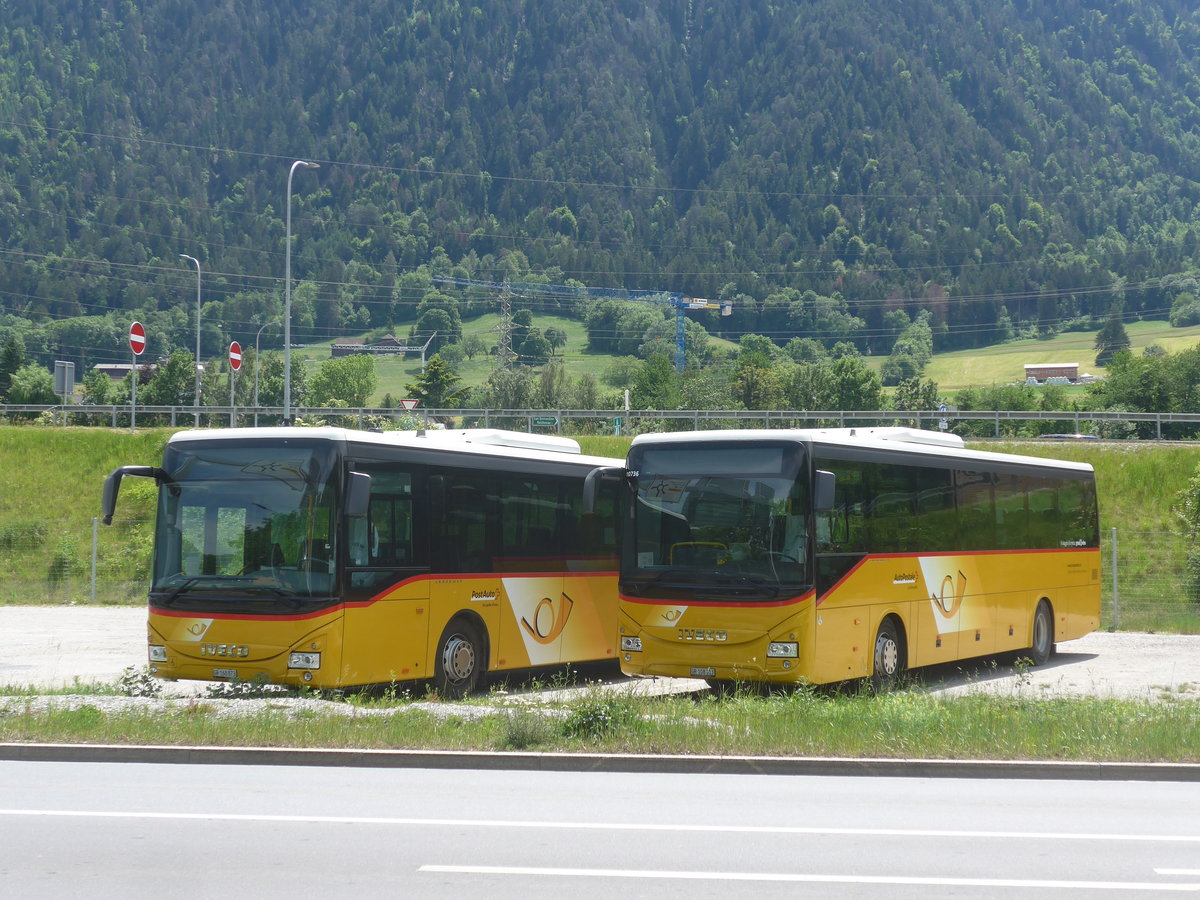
599 762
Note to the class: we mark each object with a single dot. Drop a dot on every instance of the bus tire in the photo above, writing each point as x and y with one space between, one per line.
460 661
889 655
1041 647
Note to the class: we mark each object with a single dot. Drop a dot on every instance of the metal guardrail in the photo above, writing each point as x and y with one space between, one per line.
625 420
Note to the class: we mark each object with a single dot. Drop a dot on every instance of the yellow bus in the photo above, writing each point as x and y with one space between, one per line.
820 556
330 557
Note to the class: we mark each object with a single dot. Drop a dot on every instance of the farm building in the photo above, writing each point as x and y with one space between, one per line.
1042 372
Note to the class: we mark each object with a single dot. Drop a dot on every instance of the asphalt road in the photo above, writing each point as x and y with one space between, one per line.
141 830
59 646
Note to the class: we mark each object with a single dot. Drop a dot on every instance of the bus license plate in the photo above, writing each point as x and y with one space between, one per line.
225 673
704 672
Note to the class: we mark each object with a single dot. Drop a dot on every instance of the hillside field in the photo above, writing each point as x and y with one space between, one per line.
953 371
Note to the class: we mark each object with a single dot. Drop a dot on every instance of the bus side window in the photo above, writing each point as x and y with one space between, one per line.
844 528
1044 527
1012 518
891 508
976 510
1079 526
936 525
385 536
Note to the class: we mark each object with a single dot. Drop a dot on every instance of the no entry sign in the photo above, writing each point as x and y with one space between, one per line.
235 356
137 338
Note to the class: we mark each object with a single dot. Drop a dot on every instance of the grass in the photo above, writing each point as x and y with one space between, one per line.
902 724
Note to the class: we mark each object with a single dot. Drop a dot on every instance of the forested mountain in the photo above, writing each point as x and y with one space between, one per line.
831 166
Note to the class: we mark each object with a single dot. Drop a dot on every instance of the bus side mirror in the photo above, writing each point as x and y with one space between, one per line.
591 485
112 484
358 494
823 485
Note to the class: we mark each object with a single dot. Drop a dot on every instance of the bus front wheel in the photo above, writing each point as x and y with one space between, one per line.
460 660
1042 647
889 655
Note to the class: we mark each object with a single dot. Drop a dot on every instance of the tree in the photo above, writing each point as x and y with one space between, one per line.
32 385
758 387
535 350
173 383
438 386
270 381
98 388
1111 339
917 394
12 357
557 338
473 345
350 379
654 386
855 386
506 389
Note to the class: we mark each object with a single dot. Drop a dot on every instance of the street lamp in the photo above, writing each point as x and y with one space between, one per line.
197 400
287 296
257 366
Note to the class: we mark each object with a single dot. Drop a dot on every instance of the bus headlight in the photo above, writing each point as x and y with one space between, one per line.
298 659
631 643
783 650
158 653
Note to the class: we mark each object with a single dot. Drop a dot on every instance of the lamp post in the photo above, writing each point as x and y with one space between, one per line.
287 296
258 366
197 399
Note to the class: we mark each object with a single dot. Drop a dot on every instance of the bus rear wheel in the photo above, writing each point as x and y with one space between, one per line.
1042 647
460 661
889 656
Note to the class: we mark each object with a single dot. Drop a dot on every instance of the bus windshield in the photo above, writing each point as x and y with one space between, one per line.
721 521
255 523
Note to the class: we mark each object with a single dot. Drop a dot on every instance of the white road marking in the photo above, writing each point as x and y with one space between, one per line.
931 881
1177 871
602 826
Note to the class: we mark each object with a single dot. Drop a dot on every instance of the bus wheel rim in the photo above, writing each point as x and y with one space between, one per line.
889 655
458 660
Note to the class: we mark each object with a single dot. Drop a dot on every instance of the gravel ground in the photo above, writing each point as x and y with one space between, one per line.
57 647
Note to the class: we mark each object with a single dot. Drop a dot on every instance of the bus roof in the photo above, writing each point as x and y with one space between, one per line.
889 440
482 441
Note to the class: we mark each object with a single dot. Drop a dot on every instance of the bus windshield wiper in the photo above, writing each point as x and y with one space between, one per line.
240 583
184 585
713 580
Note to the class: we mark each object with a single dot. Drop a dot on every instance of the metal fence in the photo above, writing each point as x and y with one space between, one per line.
994 423
1144 577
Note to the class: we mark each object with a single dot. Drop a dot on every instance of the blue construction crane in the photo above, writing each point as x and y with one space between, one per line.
677 301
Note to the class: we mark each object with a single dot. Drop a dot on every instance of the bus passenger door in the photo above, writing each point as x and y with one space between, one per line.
386 588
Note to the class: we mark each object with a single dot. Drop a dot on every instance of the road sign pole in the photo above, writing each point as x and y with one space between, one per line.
235 363
133 380
137 344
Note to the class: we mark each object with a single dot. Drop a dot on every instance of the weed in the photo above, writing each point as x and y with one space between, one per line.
138 683
524 730
1023 665
596 716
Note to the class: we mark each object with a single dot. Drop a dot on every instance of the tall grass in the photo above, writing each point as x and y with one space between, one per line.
806 723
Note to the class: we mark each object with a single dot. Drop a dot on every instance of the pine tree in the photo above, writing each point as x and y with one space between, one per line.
437 386
1111 339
